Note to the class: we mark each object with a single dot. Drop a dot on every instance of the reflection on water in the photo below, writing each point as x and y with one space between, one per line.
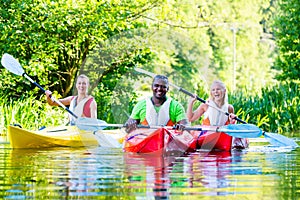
261 172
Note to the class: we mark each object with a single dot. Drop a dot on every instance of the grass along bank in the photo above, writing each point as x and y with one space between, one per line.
30 113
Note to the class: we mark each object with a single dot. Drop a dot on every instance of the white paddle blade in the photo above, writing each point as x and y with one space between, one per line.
108 139
144 72
90 124
11 64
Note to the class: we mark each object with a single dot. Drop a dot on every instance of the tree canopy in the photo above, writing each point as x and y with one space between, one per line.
286 29
53 38
213 40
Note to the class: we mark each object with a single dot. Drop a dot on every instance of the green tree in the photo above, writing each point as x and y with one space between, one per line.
286 29
52 39
219 28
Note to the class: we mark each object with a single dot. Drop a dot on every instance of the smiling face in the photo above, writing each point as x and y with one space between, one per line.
217 92
160 87
82 85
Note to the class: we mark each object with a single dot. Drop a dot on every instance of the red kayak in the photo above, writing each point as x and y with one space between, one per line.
213 140
164 140
220 141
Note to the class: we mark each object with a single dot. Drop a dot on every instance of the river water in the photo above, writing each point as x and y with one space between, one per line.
260 172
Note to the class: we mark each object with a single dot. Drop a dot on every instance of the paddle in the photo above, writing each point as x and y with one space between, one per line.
237 130
12 65
273 138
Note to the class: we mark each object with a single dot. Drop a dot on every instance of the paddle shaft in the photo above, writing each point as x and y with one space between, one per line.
171 127
52 98
117 125
215 129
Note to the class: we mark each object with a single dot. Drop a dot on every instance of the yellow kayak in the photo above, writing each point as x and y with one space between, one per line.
65 136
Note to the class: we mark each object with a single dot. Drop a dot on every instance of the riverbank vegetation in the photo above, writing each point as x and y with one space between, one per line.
275 110
246 44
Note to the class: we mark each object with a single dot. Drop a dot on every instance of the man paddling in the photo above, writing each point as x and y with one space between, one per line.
158 109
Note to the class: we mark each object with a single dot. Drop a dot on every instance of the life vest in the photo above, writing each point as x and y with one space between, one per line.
162 117
82 109
215 117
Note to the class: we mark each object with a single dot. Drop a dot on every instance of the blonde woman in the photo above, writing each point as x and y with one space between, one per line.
218 99
83 104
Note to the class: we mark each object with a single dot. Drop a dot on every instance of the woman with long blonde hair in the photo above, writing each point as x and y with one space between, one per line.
82 104
214 117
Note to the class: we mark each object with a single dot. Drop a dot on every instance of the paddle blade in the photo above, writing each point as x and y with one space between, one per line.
90 124
11 64
280 140
142 71
107 140
242 130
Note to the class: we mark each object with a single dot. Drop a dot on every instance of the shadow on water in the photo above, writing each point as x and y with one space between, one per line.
260 172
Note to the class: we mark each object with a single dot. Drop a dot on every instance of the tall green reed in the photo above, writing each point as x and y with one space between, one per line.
275 109
30 113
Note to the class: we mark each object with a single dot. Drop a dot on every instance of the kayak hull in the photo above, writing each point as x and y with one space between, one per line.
61 136
213 140
168 140
66 136
145 140
158 140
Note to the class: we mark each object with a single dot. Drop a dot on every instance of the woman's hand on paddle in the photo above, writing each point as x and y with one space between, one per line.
130 125
193 99
232 119
49 95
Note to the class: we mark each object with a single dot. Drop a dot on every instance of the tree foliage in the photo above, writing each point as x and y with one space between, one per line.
53 38
212 26
286 29
191 42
